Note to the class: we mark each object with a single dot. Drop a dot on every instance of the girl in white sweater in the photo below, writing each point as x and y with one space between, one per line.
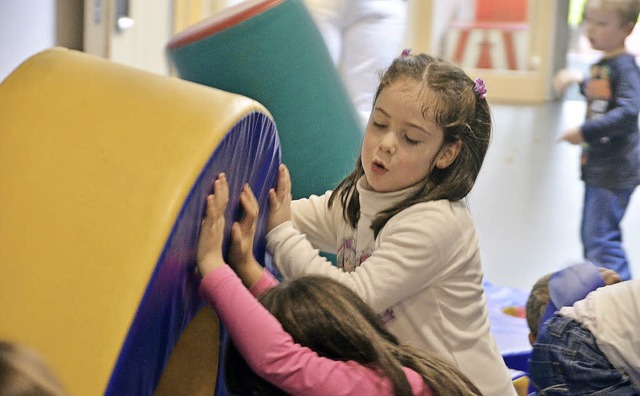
404 239
307 336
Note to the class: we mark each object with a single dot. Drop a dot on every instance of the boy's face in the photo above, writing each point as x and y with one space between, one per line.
604 29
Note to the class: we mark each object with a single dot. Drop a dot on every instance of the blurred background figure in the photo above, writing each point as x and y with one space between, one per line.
363 37
24 373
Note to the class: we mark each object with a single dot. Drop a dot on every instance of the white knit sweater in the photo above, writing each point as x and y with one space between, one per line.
422 274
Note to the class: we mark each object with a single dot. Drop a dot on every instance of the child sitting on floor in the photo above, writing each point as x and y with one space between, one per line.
585 337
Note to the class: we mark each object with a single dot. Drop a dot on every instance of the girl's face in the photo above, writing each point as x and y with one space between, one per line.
400 146
604 29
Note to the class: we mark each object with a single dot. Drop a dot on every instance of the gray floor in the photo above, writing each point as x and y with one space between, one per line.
527 200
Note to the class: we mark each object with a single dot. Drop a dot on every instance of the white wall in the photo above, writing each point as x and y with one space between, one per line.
26 27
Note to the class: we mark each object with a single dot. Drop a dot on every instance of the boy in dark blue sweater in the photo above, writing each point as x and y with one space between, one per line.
610 138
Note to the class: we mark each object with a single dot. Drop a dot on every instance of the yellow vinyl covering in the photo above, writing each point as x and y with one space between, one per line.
96 160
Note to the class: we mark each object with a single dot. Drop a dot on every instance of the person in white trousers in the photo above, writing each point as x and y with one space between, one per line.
363 37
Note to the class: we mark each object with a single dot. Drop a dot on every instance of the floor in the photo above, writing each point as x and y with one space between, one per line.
527 200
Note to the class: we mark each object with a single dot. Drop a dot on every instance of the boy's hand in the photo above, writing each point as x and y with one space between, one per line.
573 136
209 254
564 78
243 232
280 200
609 276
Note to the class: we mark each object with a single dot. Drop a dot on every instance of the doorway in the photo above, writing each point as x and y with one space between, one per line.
516 46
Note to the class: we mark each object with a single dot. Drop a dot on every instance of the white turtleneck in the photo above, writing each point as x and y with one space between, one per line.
422 273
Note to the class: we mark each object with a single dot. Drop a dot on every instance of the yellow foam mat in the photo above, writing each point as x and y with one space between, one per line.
96 160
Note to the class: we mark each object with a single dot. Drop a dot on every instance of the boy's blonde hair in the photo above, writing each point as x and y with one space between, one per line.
626 10
537 303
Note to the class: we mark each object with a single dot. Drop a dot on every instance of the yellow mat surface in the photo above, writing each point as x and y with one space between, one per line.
96 160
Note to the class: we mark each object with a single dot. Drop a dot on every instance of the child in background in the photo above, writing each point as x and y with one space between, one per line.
24 373
585 336
562 289
313 336
405 241
611 142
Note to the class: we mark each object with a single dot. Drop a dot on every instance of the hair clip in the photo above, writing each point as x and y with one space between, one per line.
480 88
405 52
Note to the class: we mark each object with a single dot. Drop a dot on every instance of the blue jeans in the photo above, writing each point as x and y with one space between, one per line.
566 360
601 235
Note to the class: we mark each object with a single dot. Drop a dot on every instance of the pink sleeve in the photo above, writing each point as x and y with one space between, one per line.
272 353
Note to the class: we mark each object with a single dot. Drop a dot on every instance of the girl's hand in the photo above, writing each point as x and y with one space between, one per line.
243 232
209 255
280 200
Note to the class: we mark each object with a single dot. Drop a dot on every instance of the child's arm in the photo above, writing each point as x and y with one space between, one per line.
622 116
574 283
209 253
280 200
418 247
272 353
311 216
253 275
572 135
565 78
241 257
259 337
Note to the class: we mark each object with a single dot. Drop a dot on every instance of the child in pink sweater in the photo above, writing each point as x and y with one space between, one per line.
310 336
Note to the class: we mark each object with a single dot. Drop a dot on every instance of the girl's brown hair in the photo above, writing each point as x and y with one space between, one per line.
329 318
463 115
24 373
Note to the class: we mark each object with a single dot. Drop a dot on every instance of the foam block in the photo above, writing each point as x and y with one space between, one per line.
104 171
272 51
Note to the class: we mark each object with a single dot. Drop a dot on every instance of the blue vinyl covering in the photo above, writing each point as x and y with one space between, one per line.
249 153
